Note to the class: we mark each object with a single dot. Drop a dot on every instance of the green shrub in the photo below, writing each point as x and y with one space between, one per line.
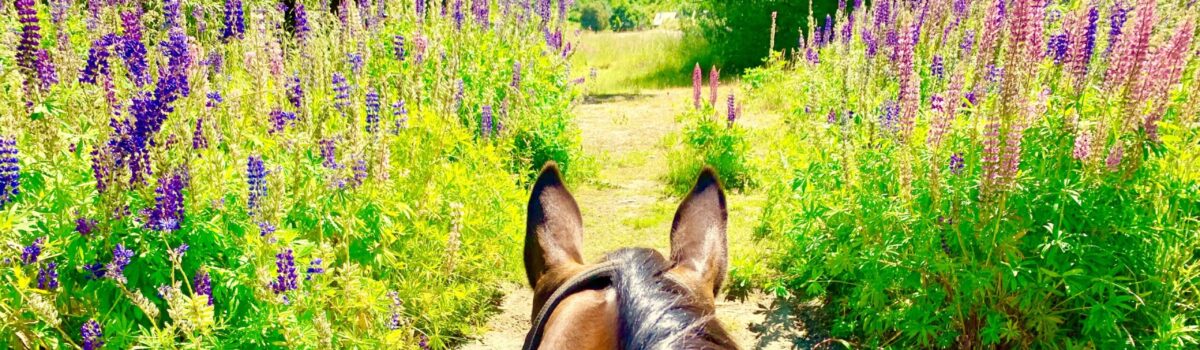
708 141
594 15
736 33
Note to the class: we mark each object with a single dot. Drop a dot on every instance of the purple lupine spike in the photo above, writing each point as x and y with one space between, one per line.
1083 146
168 212
968 42
26 55
295 90
235 21
373 108
891 113
256 178
956 164
171 14
459 95
543 11
1131 49
1056 47
398 47
48 277
116 268
482 11
486 122
359 171
1115 155
265 229
458 15
91 335
1116 21
10 170
285 268
714 78
516 76
302 28
280 120
202 284
401 113
97 61
214 99
132 50
909 84
198 16
1081 43
341 89
356 62
314 268
329 154
30 254
419 8
697 82
731 114
938 67
85 226
45 69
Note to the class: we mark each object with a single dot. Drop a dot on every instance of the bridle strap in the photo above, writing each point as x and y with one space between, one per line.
585 280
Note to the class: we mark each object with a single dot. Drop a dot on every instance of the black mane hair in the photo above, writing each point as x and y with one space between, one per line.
657 312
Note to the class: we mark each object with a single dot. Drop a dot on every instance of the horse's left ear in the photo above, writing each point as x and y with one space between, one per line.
698 241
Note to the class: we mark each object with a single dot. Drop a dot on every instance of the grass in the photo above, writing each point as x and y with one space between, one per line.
628 61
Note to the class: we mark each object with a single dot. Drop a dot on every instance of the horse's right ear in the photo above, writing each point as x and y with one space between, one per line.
553 228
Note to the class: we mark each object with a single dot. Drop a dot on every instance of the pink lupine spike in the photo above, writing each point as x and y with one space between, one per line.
1131 49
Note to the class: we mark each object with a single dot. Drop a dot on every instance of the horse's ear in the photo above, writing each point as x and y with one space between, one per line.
553 228
698 242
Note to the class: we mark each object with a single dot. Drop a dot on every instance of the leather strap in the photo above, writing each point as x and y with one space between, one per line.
601 274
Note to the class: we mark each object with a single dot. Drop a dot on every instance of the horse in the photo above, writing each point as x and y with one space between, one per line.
633 298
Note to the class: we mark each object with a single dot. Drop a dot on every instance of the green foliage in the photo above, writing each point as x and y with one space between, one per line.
708 141
594 15
736 34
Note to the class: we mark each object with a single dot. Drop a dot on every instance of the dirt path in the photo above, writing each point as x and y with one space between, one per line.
625 205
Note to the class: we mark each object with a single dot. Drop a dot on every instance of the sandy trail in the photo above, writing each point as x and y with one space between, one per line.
625 205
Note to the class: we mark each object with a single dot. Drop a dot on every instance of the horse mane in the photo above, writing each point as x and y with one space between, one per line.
655 311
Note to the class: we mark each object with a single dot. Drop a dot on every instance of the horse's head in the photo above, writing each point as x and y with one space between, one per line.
634 298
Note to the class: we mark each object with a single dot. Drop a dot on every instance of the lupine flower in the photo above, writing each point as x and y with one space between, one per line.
168 210
831 118
342 90
1056 47
235 22
811 56
256 175
731 112
95 271
1131 49
871 43
198 16
486 121
1116 22
30 254
401 113
265 229
45 69
302 27
516 76
91 335
26 54
131 50
10 170
1161 73
697 81
373 108
1083 146
214 99
202 284
328 154
938 67
285 267
85 226
458 15
891 115
420 43
314 268
48 277
116 268
991 156
359 171
956 164
171 15
543 11
280 120
991 32
459 94
420 8
398 47
482 10
199 141
97 61
397 304
714 78
909 85
1115 154
1081 44
356 62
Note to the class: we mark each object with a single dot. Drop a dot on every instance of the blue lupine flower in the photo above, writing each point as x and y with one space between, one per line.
116 268
373 108
30 254
890 117
285 267
168 211
92 336
295 91
97 61
10 171
341 89
486 122
85 226
202 284
398 47
516 78
171 15
95 271
302 27
235 22
30 38
360 172
938 67
401 113
199 141
256 175
280 120
265 228
132 51
48 277
956 164
328 154
356 62
214 99
314 268
1056 47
